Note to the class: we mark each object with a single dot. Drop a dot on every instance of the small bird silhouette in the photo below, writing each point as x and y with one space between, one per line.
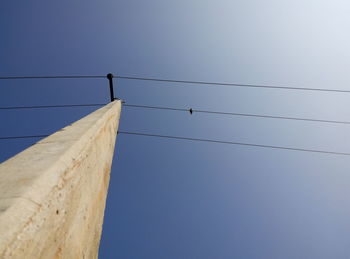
191 111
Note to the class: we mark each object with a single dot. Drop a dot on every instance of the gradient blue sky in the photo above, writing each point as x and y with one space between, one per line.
177 199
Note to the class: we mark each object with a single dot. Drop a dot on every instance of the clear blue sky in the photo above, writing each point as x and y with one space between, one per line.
176 199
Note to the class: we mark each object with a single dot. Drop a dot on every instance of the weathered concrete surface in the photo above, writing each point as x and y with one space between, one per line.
52 195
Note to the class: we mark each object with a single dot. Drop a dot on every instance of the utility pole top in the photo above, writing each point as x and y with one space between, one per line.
111 90
109 76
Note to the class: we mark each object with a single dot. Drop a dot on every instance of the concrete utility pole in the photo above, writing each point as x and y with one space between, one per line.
53 194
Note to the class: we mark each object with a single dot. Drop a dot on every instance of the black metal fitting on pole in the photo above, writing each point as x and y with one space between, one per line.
111 90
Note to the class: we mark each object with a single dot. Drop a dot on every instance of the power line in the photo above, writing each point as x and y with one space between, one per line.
49 106
203 140
50 77
178 109
155 107
236 114
179 81
22 137
233 84
235 143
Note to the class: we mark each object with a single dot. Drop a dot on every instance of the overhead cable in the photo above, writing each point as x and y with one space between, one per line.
22 137
235 143
236 114
285 87
49 106
179 109
204 140
51 77
232 84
